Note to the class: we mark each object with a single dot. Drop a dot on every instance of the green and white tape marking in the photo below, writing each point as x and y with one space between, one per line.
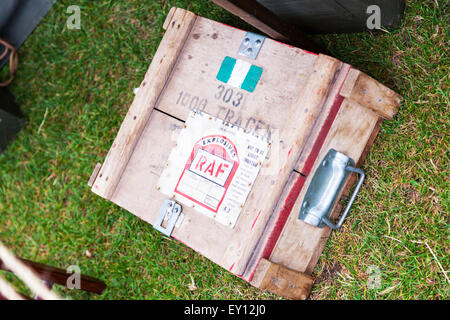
239 73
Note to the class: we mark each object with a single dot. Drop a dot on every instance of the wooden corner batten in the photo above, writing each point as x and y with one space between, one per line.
178 28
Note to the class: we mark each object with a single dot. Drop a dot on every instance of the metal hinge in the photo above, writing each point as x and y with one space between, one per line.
325 188
168 214
251 44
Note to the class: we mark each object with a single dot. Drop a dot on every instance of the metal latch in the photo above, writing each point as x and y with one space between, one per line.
251 45
325 187
169 213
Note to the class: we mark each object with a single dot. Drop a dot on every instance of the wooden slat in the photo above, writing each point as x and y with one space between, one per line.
371 94
144 102
266 191
300 244
265 20
282 281
169 17
193 83
323 124
137 193
94 174
275 223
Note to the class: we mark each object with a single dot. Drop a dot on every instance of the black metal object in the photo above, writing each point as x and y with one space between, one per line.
18 19
7 8
269 23
11 118
335 16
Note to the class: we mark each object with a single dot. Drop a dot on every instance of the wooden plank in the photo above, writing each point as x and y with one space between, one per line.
275 223
323 124
169 17
94 174
136 190
368 92
144 102
266 191
339 207
265 20
194 84
137 193
300 244
282 281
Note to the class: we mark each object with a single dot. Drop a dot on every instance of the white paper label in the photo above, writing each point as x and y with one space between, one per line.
213 167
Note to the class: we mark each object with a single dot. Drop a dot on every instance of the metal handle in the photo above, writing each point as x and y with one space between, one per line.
350 202
325 187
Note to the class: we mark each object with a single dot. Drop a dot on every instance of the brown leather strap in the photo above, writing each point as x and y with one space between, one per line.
13 61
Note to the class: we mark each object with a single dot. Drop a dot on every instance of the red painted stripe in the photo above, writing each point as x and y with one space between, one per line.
283 216
323 133
281 221
290 150
256 219
298 185
309 52
322 136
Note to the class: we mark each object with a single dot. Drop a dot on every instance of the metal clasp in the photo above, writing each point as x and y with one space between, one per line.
169 213
251 45
325 187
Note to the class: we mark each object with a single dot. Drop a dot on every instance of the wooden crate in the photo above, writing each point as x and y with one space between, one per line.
303 105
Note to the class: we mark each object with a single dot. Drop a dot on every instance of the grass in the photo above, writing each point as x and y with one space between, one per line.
75 87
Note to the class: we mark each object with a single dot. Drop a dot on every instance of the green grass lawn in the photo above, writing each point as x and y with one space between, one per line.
75 87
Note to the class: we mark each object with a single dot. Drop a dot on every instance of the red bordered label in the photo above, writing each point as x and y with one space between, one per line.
209 171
